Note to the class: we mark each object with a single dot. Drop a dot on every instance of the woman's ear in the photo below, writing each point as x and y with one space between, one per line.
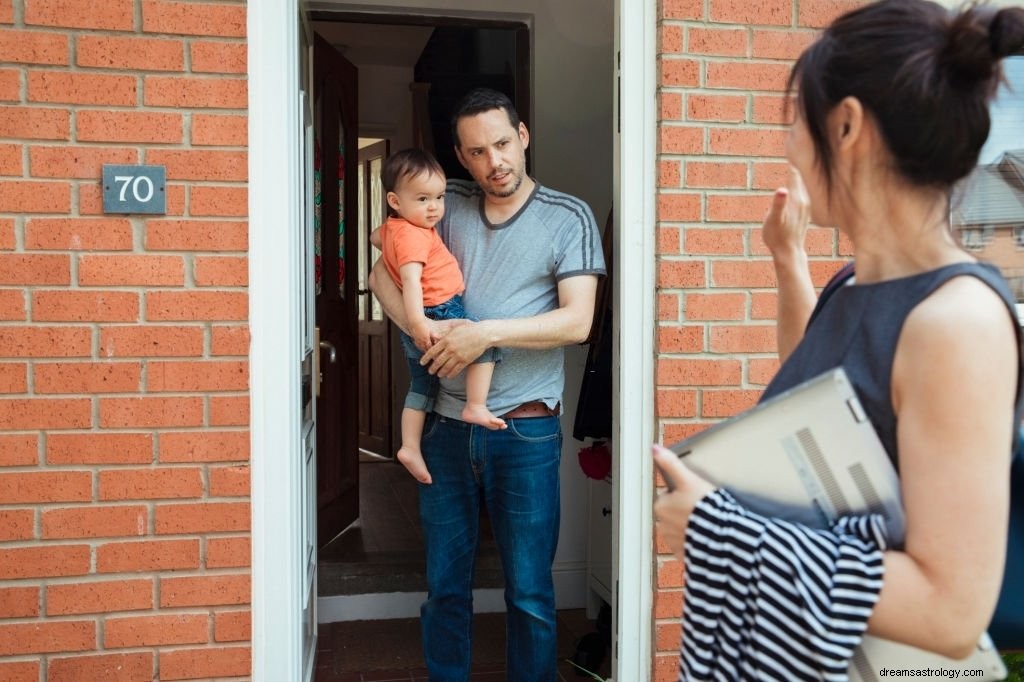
846 122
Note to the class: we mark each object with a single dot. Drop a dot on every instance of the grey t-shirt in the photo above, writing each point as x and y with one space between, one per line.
512 270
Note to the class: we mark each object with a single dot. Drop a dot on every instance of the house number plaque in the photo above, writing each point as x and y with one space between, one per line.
134 189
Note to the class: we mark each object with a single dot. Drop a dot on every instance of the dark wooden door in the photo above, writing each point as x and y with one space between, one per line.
336 158
374 349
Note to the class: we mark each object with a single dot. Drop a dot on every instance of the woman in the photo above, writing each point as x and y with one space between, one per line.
891 110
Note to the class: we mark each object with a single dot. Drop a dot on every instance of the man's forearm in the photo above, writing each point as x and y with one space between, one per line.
561 327
388 295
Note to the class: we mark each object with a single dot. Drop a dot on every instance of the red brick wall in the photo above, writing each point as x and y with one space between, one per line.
723 68
124 444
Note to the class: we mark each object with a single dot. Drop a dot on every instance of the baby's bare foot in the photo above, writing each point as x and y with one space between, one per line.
479 414
412 460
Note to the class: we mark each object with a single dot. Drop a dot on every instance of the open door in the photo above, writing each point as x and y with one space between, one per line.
335 117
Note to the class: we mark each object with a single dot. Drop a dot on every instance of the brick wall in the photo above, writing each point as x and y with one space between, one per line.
723 66
124 482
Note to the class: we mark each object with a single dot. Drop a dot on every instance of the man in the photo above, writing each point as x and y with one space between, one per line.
530 257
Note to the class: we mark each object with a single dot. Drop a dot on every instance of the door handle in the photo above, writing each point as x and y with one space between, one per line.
362 292
328 346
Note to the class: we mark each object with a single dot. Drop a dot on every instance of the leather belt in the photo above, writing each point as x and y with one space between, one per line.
534 408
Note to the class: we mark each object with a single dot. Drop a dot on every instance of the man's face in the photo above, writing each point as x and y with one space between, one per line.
493 151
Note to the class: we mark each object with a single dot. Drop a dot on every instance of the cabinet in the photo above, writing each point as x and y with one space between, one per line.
599 545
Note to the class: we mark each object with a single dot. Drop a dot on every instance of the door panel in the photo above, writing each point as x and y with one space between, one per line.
336 144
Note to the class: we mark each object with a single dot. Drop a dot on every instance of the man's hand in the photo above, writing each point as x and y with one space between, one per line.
455 350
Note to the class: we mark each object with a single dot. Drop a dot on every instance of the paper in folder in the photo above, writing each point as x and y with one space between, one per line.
810 455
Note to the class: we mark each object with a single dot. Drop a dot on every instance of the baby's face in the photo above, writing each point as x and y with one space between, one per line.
420 199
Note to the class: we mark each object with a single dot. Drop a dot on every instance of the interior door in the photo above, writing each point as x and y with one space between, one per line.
374 348
335 116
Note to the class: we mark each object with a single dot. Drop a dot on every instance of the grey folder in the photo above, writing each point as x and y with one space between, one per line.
810 455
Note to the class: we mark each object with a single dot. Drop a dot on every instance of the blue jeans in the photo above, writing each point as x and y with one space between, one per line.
423 385
514 472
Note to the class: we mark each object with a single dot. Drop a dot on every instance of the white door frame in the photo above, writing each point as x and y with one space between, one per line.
275 265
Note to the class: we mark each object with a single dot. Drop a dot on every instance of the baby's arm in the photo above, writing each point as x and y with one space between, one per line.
375 238
412 300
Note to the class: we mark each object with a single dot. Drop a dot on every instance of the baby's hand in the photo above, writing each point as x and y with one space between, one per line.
422 336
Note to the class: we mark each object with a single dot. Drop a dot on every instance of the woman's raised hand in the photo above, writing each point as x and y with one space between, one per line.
785 226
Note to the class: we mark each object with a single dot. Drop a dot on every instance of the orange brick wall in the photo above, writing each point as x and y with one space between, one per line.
723 66
124 373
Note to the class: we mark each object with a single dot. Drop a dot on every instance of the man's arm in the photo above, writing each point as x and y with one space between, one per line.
568 324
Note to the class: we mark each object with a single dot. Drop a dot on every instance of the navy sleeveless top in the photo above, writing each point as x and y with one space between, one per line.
857 327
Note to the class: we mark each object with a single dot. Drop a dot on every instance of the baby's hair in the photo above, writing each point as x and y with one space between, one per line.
408 163
926 75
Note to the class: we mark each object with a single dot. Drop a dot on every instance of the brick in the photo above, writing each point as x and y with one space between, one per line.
224 271
669 175
188 18
45 486
760 76
669 604
217 306
95 522
148 411
128 126
76 162
187 664
726 108
82 88
42 561
228 552
229 410
7 11
668 307
670 39
147 555
718 306
743 274
698 372
717 241
221 166
35 123
666 667
769 175
670 574
18 602
16 524
29 269
675 403
820 13
214 92
114 15
13 377
680 140
33 47
99 448
140 631
667 635
79 234
26 196
677 72
668 241
43 342
716 174
130 53
723 42
151 341
198 376
196 235
45 413
19 671
220 130
763 305
754 142
229 340
12 305
85 306
10 161
229 481
8 241
218 57
682 9
87 377
201 517
780 44
94 270
737 208
743 339
771 12
31 638
99 597
726 403
225 202
150 484
675 432
670 106
761 370
212 590
686 339
677 207
232 626
10 85
674 274
130 667
19 449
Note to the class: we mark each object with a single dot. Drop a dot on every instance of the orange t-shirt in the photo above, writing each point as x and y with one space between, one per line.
404 242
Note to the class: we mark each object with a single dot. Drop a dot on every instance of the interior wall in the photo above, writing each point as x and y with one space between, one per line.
571 128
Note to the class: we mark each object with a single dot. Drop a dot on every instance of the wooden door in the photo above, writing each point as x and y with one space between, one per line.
374 325
335 156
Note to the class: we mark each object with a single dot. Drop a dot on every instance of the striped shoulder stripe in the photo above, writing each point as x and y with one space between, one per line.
582 213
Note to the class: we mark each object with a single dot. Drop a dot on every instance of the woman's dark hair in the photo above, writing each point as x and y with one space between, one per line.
478 101
407 163
924 73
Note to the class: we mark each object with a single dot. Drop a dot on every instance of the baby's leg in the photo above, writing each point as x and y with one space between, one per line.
409 454
478 382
